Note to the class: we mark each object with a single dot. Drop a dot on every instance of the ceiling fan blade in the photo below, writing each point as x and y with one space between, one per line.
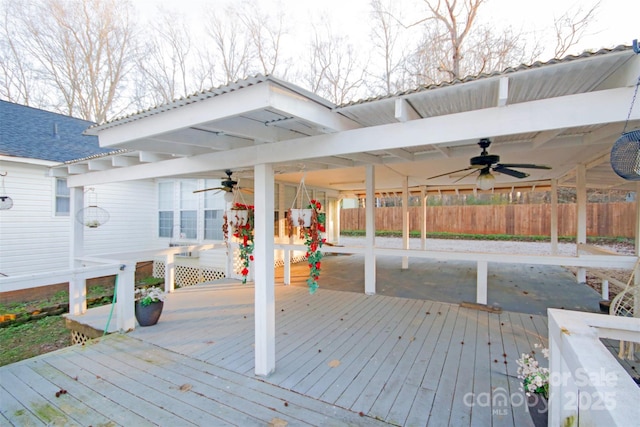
522 166
468 174
209 189
452 172
510 172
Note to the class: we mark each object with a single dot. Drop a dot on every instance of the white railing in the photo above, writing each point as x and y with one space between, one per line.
482 260
587 384
122 265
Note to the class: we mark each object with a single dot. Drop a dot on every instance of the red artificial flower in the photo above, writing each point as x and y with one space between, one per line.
310 265
321 227
318 206
312 201
245 239
245 271
318 265
251 257
324 240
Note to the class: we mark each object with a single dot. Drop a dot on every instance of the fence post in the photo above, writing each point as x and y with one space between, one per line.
125 314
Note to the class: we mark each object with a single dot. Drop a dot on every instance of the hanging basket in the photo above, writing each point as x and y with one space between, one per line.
92 216
237 217
625 156
6 202
301 217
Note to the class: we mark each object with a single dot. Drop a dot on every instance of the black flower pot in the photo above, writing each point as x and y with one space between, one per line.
538 409
148 315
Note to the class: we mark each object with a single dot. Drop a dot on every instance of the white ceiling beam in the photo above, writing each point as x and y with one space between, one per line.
364 158
307 109
204 138
336 161
587 109
503 91
545 136
402 154
99 165
404 111
148 157
124 161
247 129
165 147
613 130
79 168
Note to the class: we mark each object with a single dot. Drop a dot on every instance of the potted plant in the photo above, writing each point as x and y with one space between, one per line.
313 239
535 382
241 219
149 304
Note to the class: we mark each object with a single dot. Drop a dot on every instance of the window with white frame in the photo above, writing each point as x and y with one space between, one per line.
165 209
214 205
63 197
188 209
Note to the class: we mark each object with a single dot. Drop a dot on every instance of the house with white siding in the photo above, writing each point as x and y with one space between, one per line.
34 233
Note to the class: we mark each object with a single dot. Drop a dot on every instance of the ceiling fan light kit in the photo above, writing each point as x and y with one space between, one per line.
486 180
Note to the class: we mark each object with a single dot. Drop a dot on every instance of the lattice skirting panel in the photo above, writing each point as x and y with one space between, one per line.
189 276
78 337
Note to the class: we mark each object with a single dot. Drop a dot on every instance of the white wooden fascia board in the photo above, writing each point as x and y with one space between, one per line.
404 111
611 131
215 108
296 105
503 91
554 113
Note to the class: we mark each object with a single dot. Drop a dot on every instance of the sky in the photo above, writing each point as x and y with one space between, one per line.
616 21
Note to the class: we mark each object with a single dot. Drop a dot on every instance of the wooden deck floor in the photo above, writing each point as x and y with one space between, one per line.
339 354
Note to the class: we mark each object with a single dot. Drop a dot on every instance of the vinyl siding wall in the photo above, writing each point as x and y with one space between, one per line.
33 239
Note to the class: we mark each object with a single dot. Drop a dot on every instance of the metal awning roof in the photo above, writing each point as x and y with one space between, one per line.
560 113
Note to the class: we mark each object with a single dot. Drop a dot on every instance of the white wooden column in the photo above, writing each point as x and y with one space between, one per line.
265 313
481 282
77 284
170 272
370 234
554 217
636 277
581 217
405 220
423 218
125 296
336 221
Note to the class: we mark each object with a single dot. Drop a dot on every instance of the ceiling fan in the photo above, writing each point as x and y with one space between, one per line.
228 185
485 163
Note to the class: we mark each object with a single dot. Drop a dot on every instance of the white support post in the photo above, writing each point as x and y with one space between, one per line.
405 220
170 272
77 284
605 289
581 227
423 219
336 221
265 314
370 238
481 285
554 217
125 290
636 276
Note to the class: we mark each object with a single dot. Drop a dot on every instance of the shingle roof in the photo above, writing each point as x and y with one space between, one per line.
38 134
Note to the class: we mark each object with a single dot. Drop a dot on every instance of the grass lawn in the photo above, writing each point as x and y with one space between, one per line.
33 338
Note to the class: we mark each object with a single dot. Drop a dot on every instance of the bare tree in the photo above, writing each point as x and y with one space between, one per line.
571 26
164 67
334 70
79 50
386 31
457 20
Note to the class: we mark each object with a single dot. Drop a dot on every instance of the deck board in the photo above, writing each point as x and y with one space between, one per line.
401 362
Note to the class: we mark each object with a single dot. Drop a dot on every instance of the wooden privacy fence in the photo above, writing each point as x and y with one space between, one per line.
603 219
